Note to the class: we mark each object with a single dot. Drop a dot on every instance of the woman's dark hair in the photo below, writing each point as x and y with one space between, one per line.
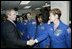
24 16
38 16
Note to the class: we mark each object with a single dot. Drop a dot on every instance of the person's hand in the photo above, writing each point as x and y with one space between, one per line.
49 22
30 42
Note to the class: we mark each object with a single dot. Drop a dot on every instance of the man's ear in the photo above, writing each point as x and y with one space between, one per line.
9 14
56 16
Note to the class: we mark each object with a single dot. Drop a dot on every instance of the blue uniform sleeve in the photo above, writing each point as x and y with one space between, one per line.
44 36
68 37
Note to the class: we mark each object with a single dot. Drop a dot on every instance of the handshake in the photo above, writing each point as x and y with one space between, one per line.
31 42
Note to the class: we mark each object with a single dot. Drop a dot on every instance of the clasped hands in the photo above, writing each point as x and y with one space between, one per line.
31 42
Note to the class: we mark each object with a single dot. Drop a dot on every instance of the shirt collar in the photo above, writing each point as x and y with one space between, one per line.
11 21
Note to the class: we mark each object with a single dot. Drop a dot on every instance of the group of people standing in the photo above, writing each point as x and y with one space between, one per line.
35 32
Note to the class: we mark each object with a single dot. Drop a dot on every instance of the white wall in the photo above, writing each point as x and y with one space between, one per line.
64 7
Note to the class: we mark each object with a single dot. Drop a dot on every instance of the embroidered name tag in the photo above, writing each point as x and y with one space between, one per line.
57 32
33 22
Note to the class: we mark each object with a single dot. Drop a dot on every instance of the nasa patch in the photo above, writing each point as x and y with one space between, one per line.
57 32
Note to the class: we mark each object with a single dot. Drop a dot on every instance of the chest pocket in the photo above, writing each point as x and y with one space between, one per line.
57 32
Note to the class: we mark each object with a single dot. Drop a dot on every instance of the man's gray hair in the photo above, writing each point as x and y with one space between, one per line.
8 11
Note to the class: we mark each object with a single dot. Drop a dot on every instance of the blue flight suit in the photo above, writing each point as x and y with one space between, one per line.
22 27
61 37
42 36
31 28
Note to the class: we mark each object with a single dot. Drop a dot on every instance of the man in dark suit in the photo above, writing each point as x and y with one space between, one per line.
9 33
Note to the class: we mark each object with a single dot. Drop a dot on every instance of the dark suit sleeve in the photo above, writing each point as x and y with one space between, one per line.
11 36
